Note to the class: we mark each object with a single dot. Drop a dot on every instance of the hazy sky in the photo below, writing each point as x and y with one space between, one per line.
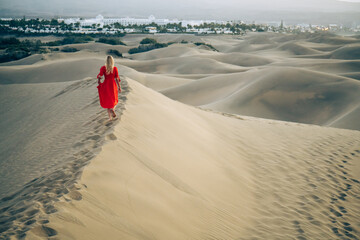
181 9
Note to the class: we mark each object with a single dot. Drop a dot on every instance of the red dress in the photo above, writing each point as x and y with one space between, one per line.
108 92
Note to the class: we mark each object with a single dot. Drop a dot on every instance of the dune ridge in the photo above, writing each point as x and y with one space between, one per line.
214 176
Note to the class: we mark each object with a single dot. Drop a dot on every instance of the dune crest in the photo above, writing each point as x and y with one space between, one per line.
182 173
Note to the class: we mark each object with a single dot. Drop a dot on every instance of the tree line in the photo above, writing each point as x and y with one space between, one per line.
41 24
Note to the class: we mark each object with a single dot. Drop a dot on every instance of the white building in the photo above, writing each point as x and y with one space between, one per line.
70 20
139 21
151 29
192 23
100 21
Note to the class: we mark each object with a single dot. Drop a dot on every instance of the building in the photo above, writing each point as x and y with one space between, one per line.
151 29
100 21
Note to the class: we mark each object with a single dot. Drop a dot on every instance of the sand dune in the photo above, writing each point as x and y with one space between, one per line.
210 89
98 47
337 67
184 65
259 39
183 173
324 47
84 48
174 171
221 43
281 38
51 71
353 75
173 70
318 58
248 47
191 76
25 61
240 59
347 52
333 66
174 50
154 81
279 93
298 49
332 39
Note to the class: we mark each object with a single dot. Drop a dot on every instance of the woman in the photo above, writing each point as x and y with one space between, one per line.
108 90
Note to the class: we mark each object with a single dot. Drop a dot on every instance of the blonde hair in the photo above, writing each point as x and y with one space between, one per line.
109 64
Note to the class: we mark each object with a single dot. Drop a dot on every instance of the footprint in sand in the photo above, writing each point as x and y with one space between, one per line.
75 195
44 231
94 137
111 136
32 212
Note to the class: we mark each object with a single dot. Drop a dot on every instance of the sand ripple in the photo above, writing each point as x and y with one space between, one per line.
30 206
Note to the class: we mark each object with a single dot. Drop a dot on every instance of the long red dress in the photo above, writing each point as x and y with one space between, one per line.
108 92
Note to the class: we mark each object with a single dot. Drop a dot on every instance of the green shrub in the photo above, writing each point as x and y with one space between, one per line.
15 49
114 52
69 49
146 48
148 41
70 40
52 44
140 49
111 40
6 42
160 45
13 54
205 44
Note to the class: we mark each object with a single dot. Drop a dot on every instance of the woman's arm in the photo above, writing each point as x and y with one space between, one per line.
117 79
100 74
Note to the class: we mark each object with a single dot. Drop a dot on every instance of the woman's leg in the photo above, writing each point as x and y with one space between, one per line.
109 113
113 112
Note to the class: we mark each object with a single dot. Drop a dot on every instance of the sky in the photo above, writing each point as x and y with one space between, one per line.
250 10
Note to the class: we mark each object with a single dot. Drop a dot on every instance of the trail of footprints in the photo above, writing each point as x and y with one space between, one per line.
29 207
328 206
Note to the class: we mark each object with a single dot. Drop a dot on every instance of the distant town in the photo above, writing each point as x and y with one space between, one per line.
152 25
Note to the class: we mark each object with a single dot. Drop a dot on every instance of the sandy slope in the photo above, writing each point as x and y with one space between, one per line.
60 70
155 81
177 172
184 65
175 50
289 94
307 78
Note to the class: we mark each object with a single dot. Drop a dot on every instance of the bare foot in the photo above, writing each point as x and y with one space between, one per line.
113 113
109 114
